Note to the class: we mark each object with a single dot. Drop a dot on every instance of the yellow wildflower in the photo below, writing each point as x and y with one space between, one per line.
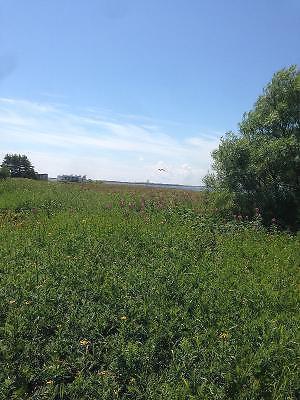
223 335
84 342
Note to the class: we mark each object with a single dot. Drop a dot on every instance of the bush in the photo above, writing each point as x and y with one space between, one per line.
4 172
260 165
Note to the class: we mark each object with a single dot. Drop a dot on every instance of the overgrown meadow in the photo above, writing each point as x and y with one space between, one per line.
126 293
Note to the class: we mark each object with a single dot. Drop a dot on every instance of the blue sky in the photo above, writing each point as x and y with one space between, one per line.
116 89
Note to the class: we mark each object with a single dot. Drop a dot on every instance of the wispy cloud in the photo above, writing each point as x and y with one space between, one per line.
59 140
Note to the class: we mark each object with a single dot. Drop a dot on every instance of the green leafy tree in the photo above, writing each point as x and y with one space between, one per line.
260 164
19 166
4 172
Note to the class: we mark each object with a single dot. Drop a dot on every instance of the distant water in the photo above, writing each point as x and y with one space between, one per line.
150 185
158 185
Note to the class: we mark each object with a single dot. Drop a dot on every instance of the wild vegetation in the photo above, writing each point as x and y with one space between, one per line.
123 293
260 165
17 166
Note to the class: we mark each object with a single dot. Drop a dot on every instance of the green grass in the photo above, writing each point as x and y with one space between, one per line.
124 293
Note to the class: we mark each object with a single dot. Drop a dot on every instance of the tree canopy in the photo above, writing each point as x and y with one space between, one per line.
19 166
260 164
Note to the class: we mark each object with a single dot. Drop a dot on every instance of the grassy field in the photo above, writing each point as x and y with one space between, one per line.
123 293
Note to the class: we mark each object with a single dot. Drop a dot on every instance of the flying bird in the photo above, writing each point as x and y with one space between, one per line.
162 169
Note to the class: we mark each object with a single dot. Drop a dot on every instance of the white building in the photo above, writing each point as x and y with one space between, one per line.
71 178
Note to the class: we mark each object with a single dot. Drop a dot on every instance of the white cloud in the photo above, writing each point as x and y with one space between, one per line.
60 141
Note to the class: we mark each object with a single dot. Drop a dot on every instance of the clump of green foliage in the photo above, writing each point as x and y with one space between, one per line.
18 166
260 165
4 172
123 293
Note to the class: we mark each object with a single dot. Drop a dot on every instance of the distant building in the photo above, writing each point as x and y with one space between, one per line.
71 178
42 177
